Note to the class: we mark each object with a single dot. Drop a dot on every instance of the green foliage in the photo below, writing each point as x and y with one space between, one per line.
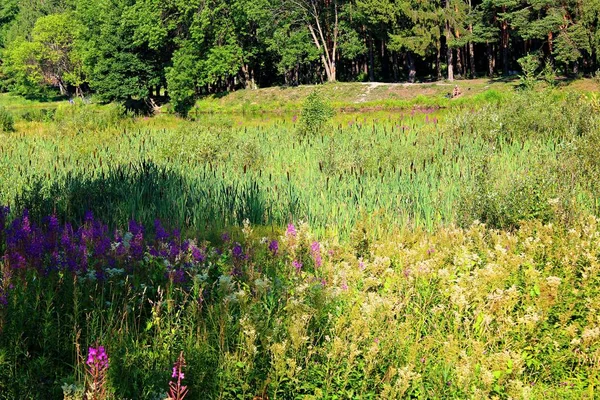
182 79
125 50
324 331
384 196
529 65
316 113
80 118
548 74
7 121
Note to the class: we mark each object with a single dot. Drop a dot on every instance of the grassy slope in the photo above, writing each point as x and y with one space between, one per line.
367 96
344 96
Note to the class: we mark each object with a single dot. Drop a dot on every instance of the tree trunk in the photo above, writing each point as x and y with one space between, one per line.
450 61
449 54
505 40
472 59
490 54
412 71
438 62
371 61
459 64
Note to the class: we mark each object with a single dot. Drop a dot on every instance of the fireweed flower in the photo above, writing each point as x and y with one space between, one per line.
315 250
135 228
176 234
177 391
225 237
291 231
25 224
297 265
136 246
97 357
97 363
198 255
161 233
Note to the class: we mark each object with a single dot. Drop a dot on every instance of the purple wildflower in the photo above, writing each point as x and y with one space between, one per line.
237 251
161 233
315 250
297 265
97 356
135 228
291 231
198 255
178 276
97 363
136 246
25 224
274 247
177 391
225 237
89 216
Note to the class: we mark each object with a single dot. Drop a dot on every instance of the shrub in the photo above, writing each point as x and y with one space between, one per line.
7 121
316 112
529 64
81 118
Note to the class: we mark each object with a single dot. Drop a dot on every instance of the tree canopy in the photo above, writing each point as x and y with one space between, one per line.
181 49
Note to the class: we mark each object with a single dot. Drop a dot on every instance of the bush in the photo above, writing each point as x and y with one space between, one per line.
505 204
37 115
529 64
7 121
82 118
316 112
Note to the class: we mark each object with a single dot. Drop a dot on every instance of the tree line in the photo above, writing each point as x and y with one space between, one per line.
182 49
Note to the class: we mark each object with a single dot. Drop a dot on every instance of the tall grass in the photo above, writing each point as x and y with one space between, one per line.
417 169
378 295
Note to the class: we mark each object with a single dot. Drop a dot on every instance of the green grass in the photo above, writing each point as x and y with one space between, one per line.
499 164
369 97
458 240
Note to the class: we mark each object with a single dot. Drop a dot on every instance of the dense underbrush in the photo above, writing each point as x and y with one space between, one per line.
463 313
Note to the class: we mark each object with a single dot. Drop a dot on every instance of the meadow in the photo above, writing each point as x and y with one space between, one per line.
419 248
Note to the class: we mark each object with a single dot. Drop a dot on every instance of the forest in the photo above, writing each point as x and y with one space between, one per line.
180 50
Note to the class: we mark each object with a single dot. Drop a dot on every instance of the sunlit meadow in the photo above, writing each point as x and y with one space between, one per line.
424 253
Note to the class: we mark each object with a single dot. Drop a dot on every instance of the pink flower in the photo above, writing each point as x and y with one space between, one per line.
291 231
315 250
297 265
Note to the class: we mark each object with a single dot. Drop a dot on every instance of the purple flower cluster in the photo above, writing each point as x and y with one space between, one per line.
178 391
97 358
291 231
297 265
274 247
97 363
90 248
315 251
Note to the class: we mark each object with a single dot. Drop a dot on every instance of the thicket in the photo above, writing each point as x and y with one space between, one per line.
461 313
